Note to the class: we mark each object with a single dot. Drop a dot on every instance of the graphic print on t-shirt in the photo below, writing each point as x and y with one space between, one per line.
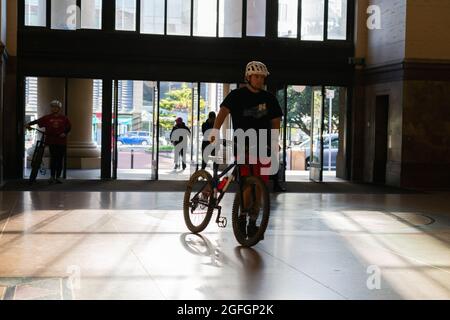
55 123
256 112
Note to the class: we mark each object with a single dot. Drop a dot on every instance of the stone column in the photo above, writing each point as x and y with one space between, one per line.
82 152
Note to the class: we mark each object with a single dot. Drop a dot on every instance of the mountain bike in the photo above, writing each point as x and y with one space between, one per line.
251 205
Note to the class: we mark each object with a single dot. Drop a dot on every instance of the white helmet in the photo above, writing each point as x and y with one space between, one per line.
56 103
256 67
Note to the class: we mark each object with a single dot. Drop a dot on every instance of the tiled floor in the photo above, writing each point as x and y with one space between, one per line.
134 245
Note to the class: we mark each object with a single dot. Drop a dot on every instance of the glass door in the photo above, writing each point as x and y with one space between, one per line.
155 131
176 103
114 128
282 100
317 115
134 127
196 128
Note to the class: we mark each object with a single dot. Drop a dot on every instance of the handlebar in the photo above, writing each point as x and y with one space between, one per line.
31 128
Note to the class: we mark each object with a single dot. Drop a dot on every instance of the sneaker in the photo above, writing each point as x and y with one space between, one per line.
58 181
176 167
242 225
51 180
184 167
252 229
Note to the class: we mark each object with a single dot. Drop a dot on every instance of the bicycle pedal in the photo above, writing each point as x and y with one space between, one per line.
222 222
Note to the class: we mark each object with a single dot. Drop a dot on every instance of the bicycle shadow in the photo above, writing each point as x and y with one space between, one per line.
247 262
201 246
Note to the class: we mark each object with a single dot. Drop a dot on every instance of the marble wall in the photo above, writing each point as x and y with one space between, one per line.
405 60
387 45
426 134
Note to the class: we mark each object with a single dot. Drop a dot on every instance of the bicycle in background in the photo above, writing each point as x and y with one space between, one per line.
38 154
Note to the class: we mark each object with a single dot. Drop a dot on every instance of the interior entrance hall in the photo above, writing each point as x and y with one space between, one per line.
359 208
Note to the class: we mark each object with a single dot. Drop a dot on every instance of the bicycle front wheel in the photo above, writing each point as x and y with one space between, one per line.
36 162
198 205
251 214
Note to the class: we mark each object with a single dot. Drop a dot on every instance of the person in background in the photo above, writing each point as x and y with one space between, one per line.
179 125
57 127
207 125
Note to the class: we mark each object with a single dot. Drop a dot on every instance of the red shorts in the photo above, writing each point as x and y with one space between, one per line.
245 169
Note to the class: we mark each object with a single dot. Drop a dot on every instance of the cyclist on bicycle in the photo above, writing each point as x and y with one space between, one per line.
251 107
57 126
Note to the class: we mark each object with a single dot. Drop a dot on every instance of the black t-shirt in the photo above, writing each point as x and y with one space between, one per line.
251 110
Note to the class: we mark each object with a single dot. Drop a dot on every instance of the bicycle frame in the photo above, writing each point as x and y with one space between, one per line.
235 176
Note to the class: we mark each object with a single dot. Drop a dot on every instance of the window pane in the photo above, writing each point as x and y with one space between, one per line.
230 18
125 102
313 15
35 13
337 19
205 18
287 18
91 14
64 14
98 95
126 15
256 18
152 16
179 17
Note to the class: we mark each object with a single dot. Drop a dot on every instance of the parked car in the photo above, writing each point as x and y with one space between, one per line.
306 146
142 138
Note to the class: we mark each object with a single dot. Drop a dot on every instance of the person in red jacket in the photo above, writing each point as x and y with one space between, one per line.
57 126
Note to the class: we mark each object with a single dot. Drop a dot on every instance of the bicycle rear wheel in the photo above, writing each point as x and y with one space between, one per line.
198 205
250 223
36 162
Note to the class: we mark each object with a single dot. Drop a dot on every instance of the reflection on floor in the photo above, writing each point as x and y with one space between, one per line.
169 174
35 289
303 176
134 245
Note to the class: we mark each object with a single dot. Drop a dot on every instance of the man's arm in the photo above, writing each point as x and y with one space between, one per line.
32 123
276 123
223 114
68 127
